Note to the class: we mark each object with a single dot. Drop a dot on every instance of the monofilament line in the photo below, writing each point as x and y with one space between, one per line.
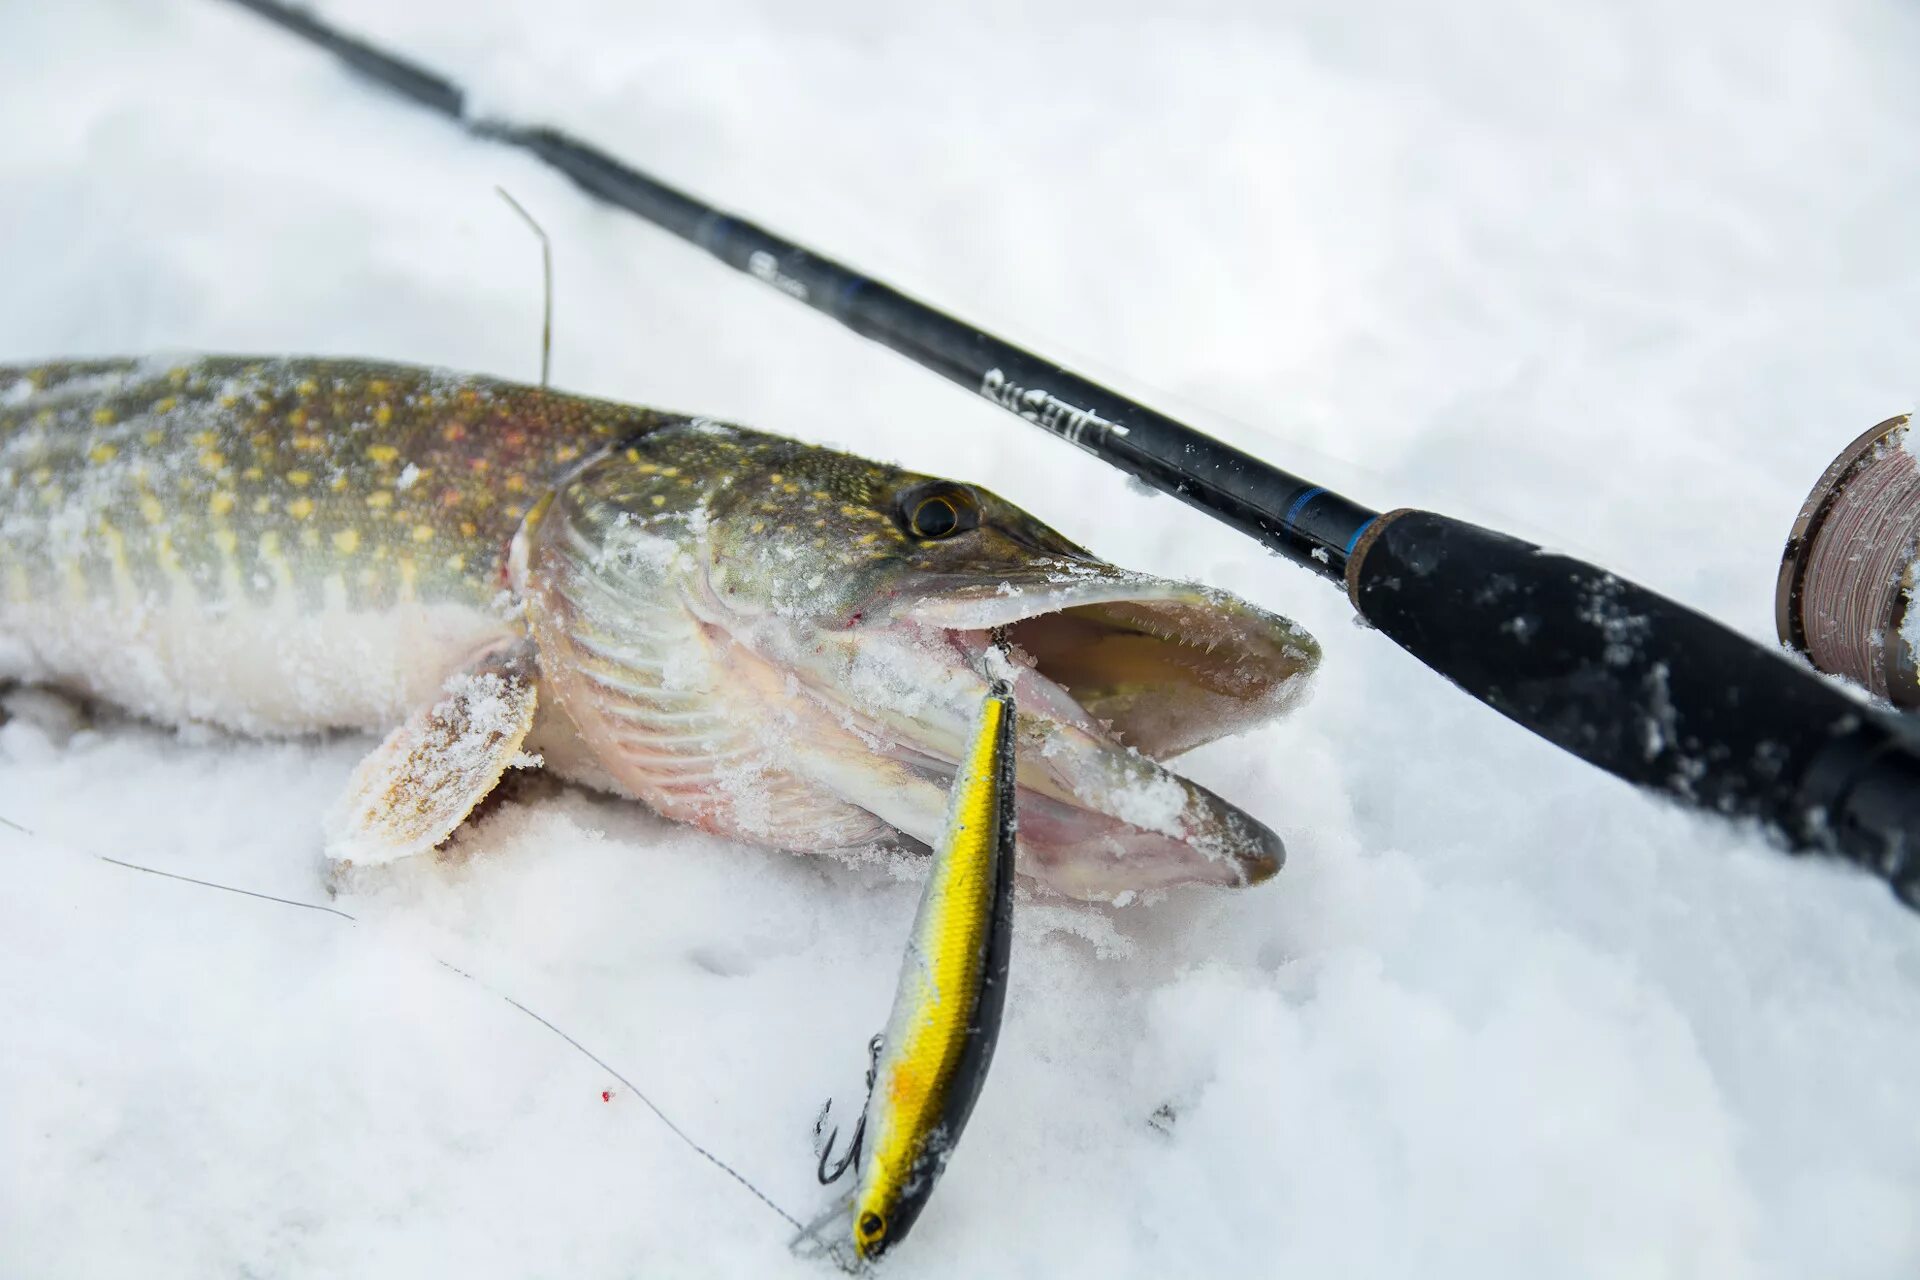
546 283
585 1052
678 1132
225 888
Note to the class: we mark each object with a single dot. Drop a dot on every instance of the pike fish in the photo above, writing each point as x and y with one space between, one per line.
756 636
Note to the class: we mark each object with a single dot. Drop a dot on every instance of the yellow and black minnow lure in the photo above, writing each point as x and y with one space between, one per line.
933 1056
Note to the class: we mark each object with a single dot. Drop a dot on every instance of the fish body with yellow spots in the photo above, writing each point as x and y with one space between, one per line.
760 637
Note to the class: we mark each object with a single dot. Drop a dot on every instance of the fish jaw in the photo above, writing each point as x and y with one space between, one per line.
745 665
1111 672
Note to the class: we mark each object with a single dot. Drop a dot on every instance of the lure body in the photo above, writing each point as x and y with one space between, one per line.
760 637
939 1039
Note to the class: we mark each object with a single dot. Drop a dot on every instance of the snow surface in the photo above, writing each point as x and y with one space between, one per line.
1620 276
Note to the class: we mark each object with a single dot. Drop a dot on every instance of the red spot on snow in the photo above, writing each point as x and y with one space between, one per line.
606 1095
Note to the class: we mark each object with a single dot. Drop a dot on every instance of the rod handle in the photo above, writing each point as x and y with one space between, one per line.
1645 688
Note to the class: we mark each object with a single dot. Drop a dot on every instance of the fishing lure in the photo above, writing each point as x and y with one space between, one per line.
932 1059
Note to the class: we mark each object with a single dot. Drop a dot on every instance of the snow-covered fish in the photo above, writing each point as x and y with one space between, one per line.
753 635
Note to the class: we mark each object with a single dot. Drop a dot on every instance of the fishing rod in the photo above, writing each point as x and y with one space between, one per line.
1643 687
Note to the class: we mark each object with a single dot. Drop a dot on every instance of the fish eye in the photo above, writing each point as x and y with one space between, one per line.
938 511
872 1226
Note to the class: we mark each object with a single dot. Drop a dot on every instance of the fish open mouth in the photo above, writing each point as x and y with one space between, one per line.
1113 674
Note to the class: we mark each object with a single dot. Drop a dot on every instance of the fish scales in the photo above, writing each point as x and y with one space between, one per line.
402 481
752 634
159 507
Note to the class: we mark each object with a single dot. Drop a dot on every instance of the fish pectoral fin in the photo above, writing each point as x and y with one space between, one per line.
419 784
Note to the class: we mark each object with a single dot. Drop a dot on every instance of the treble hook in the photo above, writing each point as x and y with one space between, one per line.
828 1176
1000 646
859 1130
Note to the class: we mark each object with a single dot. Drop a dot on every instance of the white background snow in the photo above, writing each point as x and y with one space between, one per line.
1617 276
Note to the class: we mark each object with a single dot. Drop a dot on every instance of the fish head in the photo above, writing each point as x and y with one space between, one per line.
854 613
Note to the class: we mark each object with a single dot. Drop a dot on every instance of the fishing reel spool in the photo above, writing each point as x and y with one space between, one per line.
1852 565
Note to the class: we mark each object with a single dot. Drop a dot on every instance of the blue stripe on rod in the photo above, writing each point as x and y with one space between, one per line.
1354 541
1299 504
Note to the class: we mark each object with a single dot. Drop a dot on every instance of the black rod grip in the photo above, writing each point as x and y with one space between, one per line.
1645 688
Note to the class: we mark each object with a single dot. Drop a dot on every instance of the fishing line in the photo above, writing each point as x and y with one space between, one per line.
678 1132
585 1052
175 875
546 284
